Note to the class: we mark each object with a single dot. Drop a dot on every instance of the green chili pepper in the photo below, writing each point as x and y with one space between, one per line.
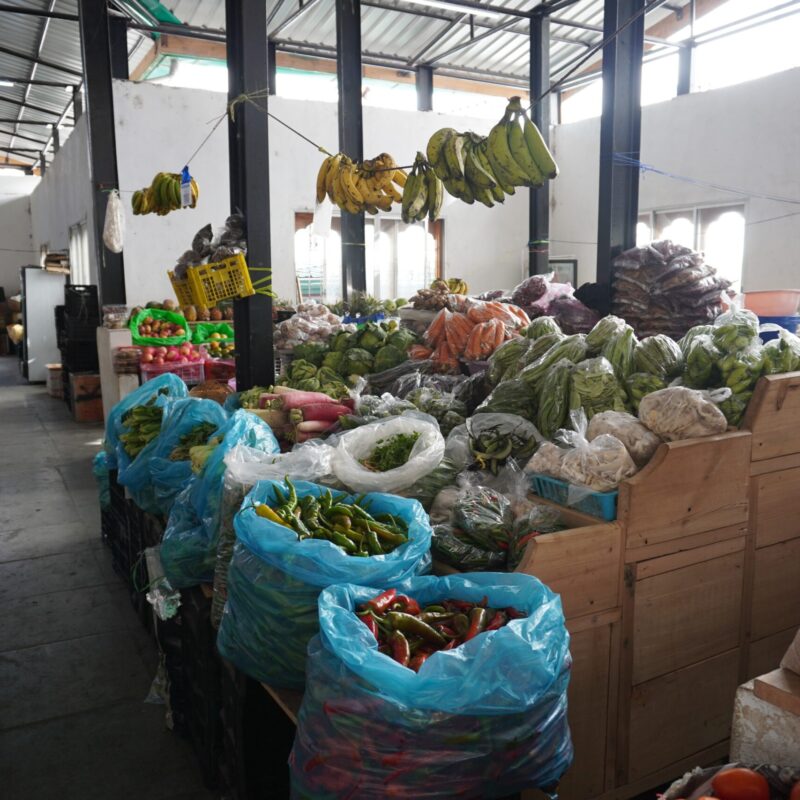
373 543
343 542
410 624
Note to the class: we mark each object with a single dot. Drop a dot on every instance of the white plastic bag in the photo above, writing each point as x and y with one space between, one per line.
311 461
679 413
640 442
114 226
358 444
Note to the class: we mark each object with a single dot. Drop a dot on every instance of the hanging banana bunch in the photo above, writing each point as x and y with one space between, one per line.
162 195
370 186
423 193
487 168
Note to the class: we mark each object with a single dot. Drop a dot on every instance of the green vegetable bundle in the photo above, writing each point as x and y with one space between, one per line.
370 338
313 352
607 328
698 330
572 348
443 407
483 517
554 398
357 361
641 383
388 357
543 326
536 350
735 330
510 397
197 436
302 369
450 547
391 453
702 357
658 355
734 407
595 388
427 488
493 438
740 370
143 424
782 354
619 349
505 357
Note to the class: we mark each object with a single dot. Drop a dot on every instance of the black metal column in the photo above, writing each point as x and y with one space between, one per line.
248 148
77 102
272 66
118 36
620 129
351 139
685 69
539 207
424 88
102 141
56 139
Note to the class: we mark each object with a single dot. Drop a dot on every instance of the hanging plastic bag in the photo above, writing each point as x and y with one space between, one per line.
274 581
114 225
170 474
189 547
372 728
356 445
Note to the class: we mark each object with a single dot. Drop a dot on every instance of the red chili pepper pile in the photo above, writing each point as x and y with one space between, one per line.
410 634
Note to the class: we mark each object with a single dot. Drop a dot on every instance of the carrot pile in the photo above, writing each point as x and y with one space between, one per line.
473 334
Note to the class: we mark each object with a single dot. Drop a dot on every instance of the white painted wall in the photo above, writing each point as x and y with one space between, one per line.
745 136
158 127
16 238
64 197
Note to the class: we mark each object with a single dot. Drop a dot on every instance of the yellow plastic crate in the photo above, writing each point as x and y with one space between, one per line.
182 289
222 280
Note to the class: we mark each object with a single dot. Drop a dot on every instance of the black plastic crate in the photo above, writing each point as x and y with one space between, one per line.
81 302
61 324
81 330
80 356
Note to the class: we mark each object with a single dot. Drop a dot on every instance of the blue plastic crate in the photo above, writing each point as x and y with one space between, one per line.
598 504
792 324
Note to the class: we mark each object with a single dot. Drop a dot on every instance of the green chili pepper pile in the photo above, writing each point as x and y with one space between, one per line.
194 438
410 634
392 452
347 525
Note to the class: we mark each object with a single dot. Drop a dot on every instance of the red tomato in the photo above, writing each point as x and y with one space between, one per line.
740 784
795 795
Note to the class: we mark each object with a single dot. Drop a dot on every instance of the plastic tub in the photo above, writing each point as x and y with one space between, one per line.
792 324
597 504
779 303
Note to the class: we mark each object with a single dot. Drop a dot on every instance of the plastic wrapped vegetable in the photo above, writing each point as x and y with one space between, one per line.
372 728
494 438
554 398
537 349
542 326
702 358
678 413
619 350
483 517
533 521
595 388
698 330
607 328
547 460
735 329
505 357
734 407
357 361
640 442
510 397
658 355
741 370
573 315
448 547
572 348
640 384
341 341
313 352
782 354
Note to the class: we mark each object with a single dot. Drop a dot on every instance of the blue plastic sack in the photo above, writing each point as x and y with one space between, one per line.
100 472
173 386
274 581
486 719
189 547
171 477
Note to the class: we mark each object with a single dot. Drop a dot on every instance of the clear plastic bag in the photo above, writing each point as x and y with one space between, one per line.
640 442
678 413
457 728
274 581
114 225
358 444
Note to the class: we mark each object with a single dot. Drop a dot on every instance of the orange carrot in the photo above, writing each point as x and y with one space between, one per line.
419 351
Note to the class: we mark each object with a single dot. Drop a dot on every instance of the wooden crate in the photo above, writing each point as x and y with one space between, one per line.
776 589
775 506
688 488
772 416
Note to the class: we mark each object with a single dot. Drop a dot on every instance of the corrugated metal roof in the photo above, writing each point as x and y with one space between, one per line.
390 35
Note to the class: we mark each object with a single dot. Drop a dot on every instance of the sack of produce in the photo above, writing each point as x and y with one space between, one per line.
282 560
510 397
735 330
607 328
164 386
187 423
782 354
389 454
572 315
640 384
702 362
554 398
547 460
741 369
619 350
189 547
156 326
572 348
658 355
734 406
595 388
449 724
442 406
505 357
542 326
681 413
449 547
640 442
698 330
494 438
537 349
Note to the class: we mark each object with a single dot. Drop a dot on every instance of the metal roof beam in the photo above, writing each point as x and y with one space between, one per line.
27 57
22 153
23 81
472 40
584 26
32 122
35 12
292 17
275 9
40 142
434 40
23 104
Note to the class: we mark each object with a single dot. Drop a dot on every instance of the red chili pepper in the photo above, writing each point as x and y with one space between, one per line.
514 613
450 645
401 652
498 621
409 605
446 630
461 605
383 601
418 660
477 622
372 624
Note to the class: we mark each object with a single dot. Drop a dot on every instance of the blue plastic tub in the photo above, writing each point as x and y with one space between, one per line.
598 504
790 323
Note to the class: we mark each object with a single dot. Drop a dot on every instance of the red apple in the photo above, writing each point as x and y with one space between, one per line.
158 360
161 351
147 358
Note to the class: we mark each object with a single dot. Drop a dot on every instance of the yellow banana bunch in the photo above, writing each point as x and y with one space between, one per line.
423 194
487 168
369 186
457 286
162 195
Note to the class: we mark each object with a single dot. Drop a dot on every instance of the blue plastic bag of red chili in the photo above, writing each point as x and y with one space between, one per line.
274 580
485 719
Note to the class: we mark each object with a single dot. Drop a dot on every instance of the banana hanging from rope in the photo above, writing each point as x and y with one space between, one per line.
163 195
423 193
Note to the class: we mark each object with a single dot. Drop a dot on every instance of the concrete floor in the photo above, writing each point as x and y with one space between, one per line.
75 663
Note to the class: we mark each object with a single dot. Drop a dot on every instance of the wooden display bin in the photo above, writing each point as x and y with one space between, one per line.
773 416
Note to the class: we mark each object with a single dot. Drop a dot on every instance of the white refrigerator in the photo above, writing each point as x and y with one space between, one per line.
42 291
